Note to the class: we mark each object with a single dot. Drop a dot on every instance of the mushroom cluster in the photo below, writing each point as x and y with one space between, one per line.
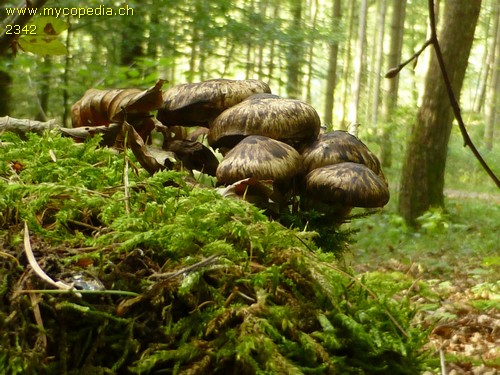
268 138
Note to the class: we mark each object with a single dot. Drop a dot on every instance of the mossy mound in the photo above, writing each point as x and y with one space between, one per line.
173 278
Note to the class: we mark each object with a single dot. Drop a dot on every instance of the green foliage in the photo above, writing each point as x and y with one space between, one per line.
41 36
219 286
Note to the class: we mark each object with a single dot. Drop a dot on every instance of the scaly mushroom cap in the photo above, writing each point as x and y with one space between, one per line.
346 184
338 147
287 120
259 157
197 104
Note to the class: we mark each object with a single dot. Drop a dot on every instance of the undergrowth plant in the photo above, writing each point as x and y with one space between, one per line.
176 279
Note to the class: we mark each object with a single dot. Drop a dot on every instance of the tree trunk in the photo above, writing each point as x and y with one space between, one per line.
331 79
44 89
358 68
422 180
294 58
390 98
486 62
5 98
379 58
493 107
310 53
66 117
347 65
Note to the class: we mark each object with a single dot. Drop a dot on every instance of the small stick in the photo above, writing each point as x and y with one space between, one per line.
442 361
36 267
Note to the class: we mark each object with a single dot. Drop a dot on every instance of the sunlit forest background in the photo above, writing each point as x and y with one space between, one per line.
312 50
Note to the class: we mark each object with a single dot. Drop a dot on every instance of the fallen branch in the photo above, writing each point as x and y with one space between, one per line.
22 127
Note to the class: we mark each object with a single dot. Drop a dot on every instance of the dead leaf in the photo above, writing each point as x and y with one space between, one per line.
102 107
152 159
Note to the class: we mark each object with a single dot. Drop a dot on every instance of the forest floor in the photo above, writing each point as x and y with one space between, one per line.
460 265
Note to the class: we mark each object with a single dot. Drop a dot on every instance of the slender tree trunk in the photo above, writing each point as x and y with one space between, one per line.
486 63
5 98
44 91
294 56
262 47
493 107
67 66
331 80
194 46
310 53
347 66
390 98
379 59
423 169
5 77
358 69
272 47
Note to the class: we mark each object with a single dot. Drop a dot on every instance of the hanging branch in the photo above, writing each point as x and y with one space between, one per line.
433 40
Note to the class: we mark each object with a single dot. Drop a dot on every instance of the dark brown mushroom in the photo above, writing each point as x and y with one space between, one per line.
338 147
261 158
339 187
197 104
264 159
288 120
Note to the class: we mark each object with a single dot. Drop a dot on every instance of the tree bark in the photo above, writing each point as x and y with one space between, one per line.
294 57
379 59
310 53
331 80
390 97
493 105
5 98
422 180
347 65
358 68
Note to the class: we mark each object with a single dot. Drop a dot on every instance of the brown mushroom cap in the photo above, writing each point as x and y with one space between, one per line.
197 104
287 120
338 147
347 184
259 157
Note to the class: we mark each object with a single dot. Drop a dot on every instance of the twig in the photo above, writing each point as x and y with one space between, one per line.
99 292
125 176
442 361
85 225
11 257
36 267
169 275
42 339
393 72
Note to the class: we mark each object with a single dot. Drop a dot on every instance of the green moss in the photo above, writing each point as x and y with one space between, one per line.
220 287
